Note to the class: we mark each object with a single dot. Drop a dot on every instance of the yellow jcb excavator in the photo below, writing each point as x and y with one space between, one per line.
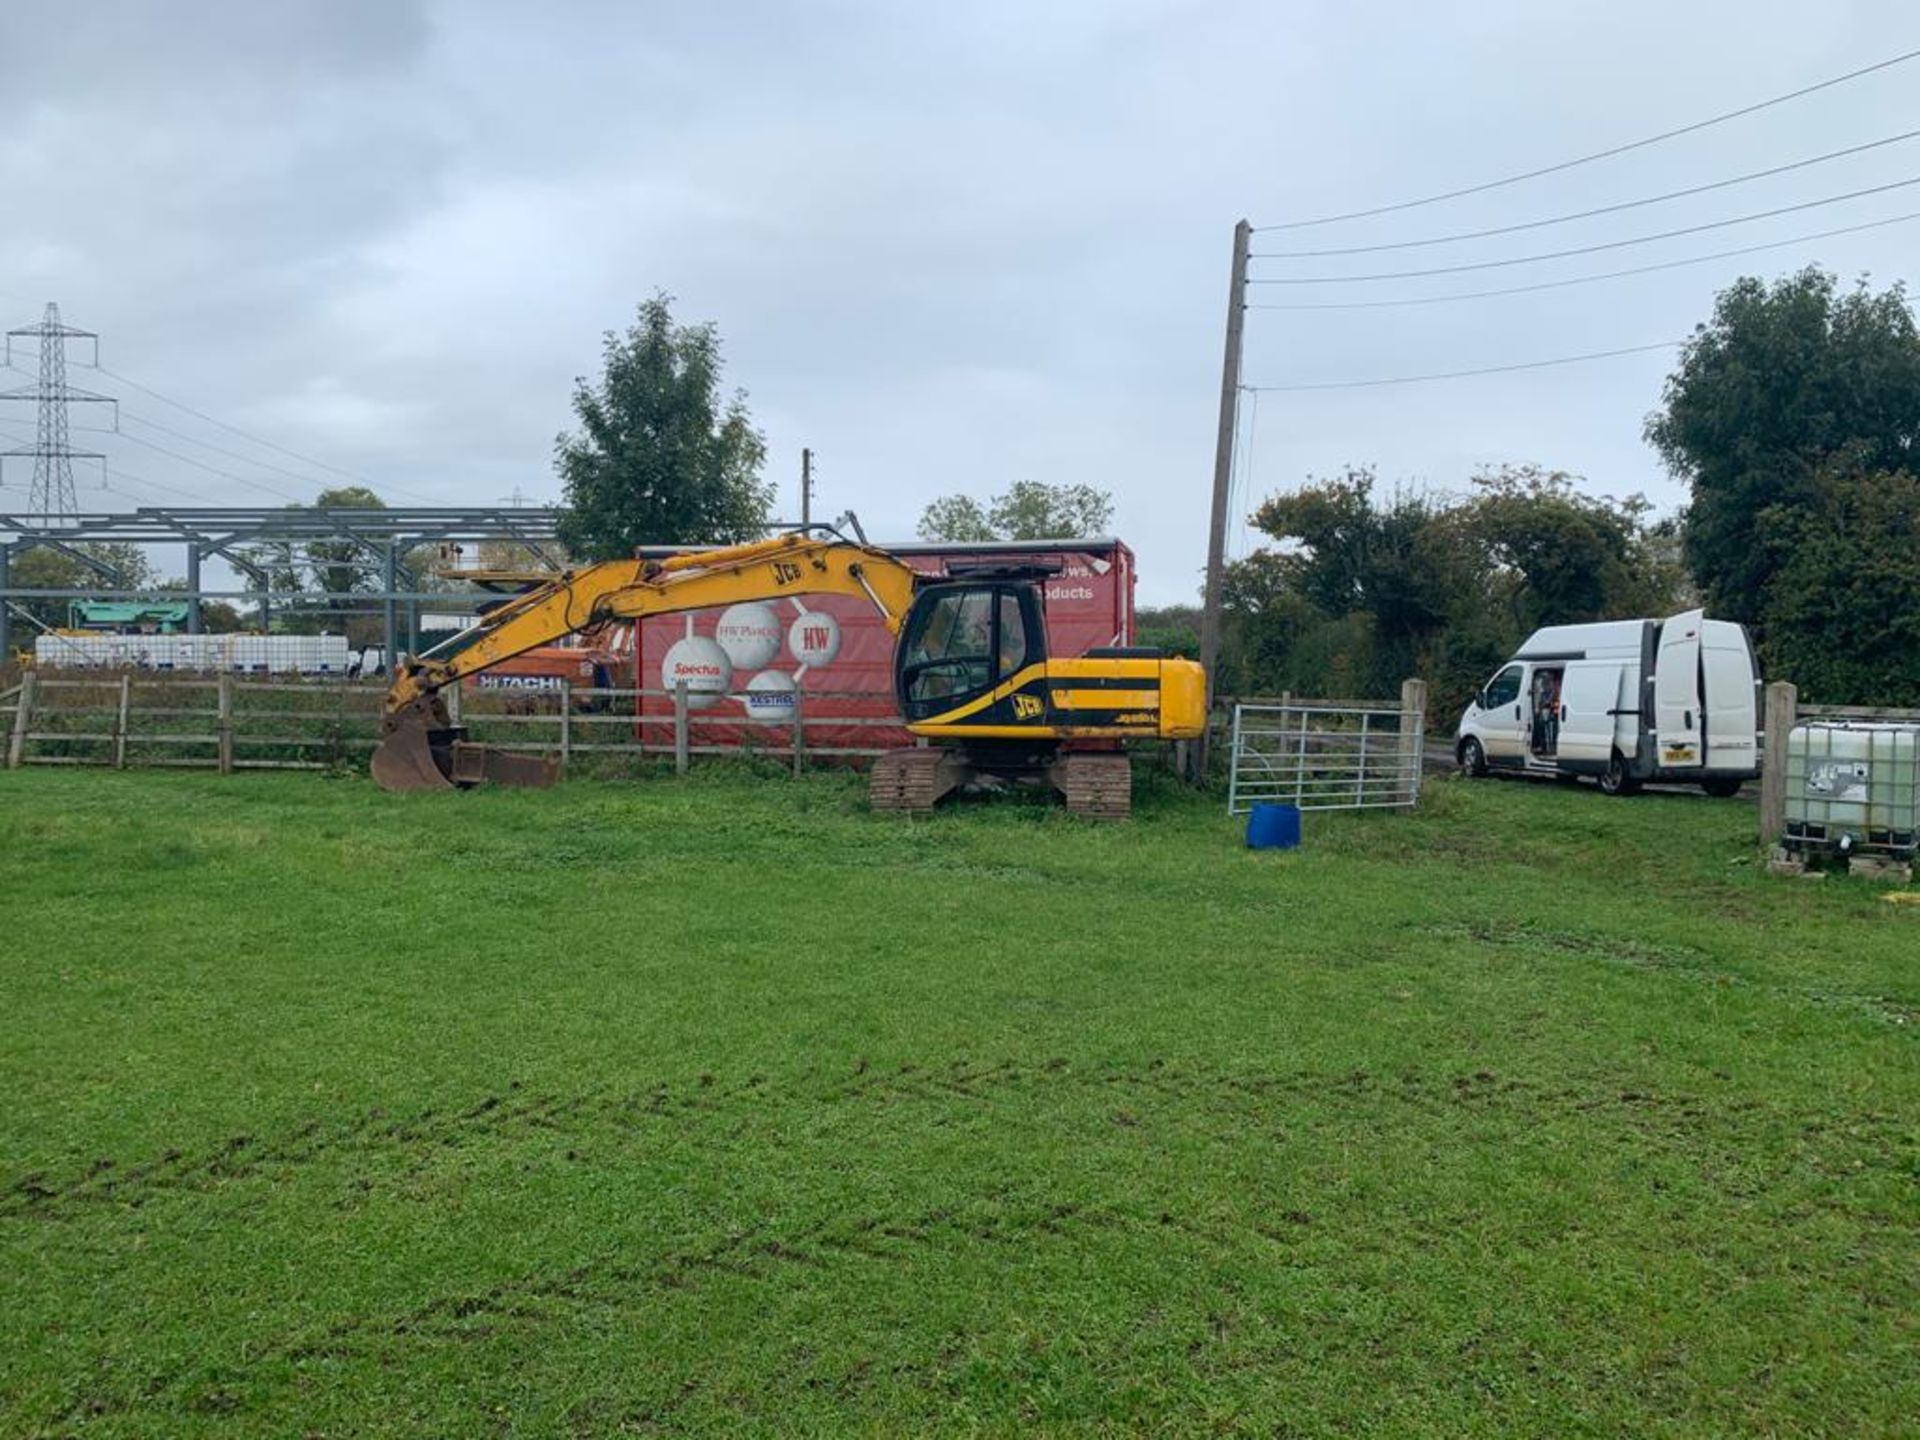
971 671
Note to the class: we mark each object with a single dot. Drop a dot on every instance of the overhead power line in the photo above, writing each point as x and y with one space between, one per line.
1585 214
234 429
237 479
249 436
216 449
116 475
111 473
1608 153
1464 374
1583 249
1584 279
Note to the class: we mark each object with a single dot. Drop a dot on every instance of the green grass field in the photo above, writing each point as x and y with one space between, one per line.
722 1106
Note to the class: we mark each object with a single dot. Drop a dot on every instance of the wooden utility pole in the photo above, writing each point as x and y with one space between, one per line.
1223 472
806 486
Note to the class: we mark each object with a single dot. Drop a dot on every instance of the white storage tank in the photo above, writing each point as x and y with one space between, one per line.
259 655
1853 786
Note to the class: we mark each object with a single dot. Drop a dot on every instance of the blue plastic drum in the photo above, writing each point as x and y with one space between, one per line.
1273 827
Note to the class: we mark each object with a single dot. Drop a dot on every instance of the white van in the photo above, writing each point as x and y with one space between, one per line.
1626 701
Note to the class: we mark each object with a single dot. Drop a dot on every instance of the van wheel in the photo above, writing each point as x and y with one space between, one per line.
1473 760
1722 787
1618 780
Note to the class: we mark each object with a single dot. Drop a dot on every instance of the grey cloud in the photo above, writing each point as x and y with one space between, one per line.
947 246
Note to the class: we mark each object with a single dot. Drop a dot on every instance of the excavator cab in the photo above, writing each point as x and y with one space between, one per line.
970 644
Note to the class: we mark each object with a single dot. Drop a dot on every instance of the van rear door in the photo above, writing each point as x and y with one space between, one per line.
1732 721
1589 701
1676 693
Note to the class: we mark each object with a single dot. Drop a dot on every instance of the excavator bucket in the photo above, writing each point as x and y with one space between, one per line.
404 760
484 765
423 750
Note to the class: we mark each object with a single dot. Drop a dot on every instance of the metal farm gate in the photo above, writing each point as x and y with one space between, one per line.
1325 757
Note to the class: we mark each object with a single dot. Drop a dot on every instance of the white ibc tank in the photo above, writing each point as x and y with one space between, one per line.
1854 782
247 654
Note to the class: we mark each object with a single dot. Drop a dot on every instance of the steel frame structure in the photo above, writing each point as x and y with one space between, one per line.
385 535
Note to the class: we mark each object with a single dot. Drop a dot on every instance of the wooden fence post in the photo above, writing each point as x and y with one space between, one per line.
223 733
799 735
22 720
680 749
120 722
1413 721
452 693
1782 706
566 724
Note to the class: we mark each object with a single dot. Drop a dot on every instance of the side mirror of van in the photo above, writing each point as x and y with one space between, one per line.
1480 700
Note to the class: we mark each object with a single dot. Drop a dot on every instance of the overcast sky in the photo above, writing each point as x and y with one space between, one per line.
948 247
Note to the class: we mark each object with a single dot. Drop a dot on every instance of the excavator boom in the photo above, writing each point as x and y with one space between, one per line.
422 750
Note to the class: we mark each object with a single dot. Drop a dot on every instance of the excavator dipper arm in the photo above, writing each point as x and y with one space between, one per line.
422 750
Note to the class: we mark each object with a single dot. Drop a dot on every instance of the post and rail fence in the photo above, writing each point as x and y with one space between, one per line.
229 723
226 723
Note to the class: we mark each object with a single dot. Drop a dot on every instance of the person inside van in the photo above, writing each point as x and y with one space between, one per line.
1546 711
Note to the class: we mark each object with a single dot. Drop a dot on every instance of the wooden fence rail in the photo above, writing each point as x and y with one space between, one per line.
229 723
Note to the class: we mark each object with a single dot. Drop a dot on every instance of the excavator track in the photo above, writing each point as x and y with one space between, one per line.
912 782
1098 786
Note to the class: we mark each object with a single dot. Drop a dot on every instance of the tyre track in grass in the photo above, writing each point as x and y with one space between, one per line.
1708 1132
602 1113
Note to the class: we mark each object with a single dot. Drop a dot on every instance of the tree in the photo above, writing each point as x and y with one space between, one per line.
1784 379
956 518
1031 510
1839 611
335 569
1356 597
1358 593
44 568
1405 563
1564 557
1026 510
217 617
1174 629
344 566
660 458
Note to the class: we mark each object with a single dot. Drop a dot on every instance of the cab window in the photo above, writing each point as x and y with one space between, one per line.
1503 689
1013 638
952 653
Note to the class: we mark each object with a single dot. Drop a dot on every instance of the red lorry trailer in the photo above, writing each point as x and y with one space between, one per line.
745 665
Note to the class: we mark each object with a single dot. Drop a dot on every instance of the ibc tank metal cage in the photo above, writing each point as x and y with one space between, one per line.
1853 787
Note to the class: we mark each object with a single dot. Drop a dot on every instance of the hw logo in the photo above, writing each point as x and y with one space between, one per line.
1026 707
784 573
